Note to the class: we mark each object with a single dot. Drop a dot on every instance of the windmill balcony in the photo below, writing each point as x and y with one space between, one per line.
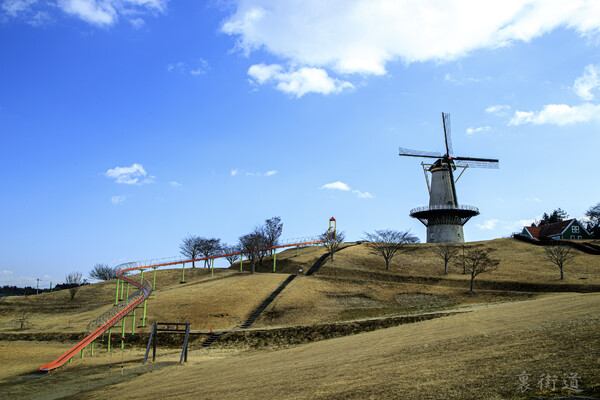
467 209
444 214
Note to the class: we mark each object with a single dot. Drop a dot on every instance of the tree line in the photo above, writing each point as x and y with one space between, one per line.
12 290
251 244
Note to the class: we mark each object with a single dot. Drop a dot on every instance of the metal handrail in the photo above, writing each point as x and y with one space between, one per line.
118 312
114 310
444 207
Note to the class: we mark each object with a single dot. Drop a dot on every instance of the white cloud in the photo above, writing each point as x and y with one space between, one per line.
118 199
518 225
533 199
15 7
338 185
25 10
298 82
130 175
6 272
490 224
498 109
363 195
201 68
179 66
263 73
236 171
587 82
564 114
362 36
558 114
137 23
175 184
91 11
471 131
462 81
95 12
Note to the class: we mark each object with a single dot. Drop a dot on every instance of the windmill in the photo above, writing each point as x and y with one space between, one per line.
444 217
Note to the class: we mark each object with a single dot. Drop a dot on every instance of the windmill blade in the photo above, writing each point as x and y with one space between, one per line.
447 133
476 162
418 153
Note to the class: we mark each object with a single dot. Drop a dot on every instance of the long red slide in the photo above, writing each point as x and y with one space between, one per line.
146 290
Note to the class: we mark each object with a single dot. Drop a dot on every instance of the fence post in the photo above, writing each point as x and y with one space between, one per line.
117 294
133 323
122 286
144 315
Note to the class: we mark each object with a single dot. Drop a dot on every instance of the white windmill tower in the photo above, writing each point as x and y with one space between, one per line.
444 217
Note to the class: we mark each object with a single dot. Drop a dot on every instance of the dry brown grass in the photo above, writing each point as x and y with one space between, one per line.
520 262
474 355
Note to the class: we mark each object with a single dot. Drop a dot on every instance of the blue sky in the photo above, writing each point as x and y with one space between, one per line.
128 124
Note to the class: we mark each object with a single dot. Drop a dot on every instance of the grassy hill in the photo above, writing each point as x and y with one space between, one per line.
521 317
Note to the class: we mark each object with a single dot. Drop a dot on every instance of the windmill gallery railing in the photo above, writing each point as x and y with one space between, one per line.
122 308
444 207
442 214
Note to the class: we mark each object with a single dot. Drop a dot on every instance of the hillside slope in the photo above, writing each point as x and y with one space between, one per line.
475 355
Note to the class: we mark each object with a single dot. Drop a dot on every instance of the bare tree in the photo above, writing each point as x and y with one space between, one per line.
477 261
74 281
231 257
251 244
387 243
23 319
189 248
103 272
593 225
559 254
446 251
208 247
272 230
332 241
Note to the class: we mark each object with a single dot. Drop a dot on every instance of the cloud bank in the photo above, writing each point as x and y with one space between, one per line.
362 36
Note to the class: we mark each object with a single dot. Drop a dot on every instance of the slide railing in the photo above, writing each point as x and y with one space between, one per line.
110 318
